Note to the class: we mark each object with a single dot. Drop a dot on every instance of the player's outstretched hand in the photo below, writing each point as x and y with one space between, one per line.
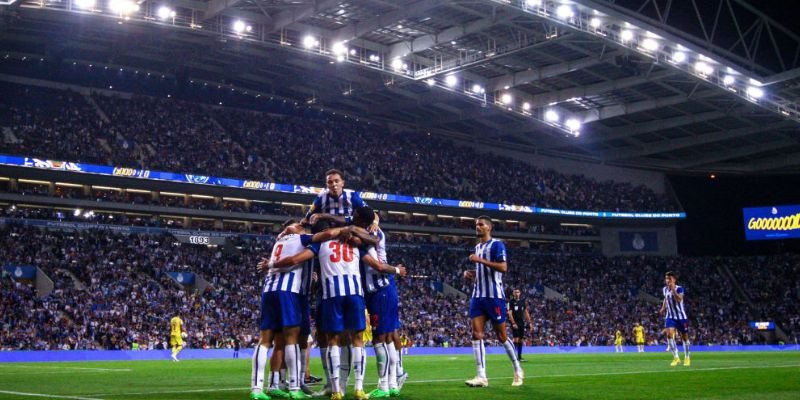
469 275
401 270
262 265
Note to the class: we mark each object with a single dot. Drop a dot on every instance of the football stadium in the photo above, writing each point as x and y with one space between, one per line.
411 199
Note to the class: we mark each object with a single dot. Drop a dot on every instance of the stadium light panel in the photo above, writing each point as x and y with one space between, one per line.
679 57
595 23
239 26
526 106
397 63
703 68
476 88
551 116
506 98
450 80
430 81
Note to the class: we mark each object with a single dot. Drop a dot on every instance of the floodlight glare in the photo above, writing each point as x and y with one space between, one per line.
477 88
165 12
650 44
679 57
450 80
310 41
85 4
573 124
526 106
703 68
339 48
397 63
626 35
755 92
533 3
564 11
430 81
123 7
239 26
551 116
595 22
728 80
506 98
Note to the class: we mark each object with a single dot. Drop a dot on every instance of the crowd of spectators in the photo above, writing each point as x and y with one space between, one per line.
112 290
171 135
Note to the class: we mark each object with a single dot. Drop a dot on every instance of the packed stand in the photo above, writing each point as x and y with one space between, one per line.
145 132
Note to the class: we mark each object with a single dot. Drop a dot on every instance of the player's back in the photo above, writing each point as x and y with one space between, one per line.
289 279
339 269
175 325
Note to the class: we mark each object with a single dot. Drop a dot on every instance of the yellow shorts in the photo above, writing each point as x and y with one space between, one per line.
175 340
639 340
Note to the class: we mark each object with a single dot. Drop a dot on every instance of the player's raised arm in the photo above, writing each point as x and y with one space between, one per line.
298 258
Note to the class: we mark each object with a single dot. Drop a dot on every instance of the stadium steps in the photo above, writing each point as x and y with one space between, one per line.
740 292
9 136
97 108
75 281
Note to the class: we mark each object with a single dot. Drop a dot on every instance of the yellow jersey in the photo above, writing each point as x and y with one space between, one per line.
638 331
368 329
618 339
176 325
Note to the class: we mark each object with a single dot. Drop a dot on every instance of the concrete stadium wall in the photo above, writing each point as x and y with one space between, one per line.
123 355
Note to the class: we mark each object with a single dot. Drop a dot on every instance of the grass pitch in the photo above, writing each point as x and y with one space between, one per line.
757 375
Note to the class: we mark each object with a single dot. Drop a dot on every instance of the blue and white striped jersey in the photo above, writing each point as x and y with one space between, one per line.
339 268
488 282
293 279
375 280
343 205
675 309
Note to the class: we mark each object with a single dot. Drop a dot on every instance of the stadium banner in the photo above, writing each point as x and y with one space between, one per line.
26 272
286 188
638 241
763 325
184 278
771 223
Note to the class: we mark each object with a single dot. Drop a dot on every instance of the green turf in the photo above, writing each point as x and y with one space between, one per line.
772 376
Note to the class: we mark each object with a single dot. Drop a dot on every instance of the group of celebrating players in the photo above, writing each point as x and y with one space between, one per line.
337 255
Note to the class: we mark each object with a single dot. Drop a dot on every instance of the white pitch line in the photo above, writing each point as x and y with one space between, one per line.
621 373
49 396
461 379
12 366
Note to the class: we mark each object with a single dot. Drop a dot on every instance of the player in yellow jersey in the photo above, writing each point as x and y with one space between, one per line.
618 340
368 330
638 334
176 335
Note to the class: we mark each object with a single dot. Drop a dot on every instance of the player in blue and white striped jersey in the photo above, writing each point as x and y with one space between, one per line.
283 316
675 317
335 199
382 304
488 301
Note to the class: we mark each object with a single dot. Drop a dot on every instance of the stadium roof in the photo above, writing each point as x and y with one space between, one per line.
523 74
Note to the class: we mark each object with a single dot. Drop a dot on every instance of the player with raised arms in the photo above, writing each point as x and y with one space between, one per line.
488 301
